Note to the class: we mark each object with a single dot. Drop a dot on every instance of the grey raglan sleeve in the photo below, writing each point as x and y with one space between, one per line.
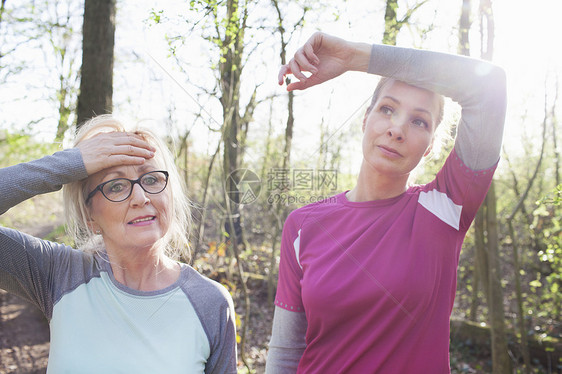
40 271
23 181
287 343
27 264
479 87
215 309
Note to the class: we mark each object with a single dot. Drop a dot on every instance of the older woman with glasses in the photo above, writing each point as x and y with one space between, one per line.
122 302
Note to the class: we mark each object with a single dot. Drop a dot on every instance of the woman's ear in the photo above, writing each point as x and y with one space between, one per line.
365 121
429 149
91 222
93 226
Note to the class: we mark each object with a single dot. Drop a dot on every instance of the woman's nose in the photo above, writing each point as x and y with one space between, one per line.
396 128
139 197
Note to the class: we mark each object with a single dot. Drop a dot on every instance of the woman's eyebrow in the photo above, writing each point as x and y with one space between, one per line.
416 109
391 98
147 168
120 174
113 173
424 111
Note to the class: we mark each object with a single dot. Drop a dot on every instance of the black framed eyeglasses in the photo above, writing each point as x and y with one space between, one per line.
120 189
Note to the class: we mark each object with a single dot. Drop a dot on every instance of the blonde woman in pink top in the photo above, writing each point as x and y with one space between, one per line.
367 278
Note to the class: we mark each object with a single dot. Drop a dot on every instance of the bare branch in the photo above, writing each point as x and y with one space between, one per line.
537 167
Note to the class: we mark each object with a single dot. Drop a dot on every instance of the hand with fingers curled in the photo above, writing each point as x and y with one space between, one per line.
109 149
325 57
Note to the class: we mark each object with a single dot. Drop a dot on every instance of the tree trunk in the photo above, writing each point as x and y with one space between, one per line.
2 8
500 357
487 30
554 135
232 46
519 297
481 261
96 84
231 50
487 264
200 231
516 264
464 29
278 209
59 27
391 24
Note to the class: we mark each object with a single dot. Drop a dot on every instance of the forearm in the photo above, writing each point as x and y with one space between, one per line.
458 77
23 181
287 342
478 86
283 360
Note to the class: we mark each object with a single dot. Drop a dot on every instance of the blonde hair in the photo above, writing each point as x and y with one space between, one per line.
74 194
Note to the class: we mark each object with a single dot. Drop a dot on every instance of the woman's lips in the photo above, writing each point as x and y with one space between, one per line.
390 152
142 221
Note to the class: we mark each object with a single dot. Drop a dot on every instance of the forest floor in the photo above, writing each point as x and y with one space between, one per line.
24 336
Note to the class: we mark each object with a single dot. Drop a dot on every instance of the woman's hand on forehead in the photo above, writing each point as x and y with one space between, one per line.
110 149
325 57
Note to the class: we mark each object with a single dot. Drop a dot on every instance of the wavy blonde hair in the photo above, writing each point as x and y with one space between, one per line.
74 194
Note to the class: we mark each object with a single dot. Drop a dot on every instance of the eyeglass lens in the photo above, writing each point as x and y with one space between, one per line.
120 189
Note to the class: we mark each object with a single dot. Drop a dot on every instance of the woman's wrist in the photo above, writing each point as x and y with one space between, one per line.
361 57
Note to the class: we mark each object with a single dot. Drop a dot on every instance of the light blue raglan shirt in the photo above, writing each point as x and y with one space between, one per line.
97 324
